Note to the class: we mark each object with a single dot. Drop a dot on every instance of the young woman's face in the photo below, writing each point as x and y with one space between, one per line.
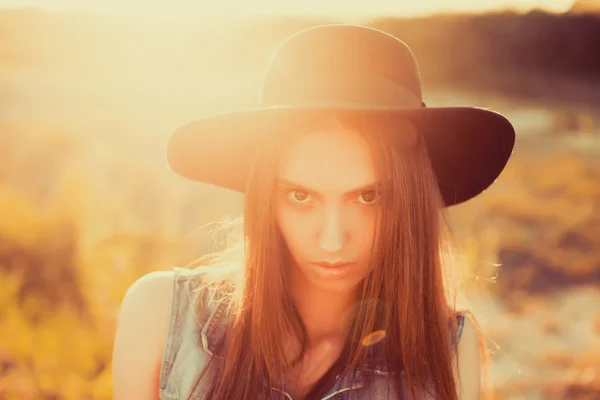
327 207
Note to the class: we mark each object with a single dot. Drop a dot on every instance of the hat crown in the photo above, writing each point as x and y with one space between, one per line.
335 61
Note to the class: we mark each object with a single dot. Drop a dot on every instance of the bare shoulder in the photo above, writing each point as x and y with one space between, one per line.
468 376
140 336
154 286
148 301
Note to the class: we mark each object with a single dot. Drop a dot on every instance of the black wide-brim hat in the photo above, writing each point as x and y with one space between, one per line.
338 69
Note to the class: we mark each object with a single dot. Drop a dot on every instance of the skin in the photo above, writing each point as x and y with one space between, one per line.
326 211
140 337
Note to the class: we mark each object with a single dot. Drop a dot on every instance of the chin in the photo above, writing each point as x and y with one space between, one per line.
334 285
340 280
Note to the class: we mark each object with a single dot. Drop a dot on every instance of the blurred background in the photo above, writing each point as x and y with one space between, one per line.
89 92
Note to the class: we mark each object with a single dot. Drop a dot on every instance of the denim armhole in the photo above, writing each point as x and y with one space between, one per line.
180 328
460 323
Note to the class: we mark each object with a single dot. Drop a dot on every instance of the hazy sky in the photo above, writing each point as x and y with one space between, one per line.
186 7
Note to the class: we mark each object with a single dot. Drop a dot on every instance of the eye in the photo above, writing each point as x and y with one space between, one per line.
368 197
298 196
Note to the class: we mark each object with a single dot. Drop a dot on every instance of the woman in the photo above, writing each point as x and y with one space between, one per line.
335 289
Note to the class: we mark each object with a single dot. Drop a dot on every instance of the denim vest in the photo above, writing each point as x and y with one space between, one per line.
185 356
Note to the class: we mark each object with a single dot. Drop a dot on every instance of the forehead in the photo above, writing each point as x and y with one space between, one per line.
328 160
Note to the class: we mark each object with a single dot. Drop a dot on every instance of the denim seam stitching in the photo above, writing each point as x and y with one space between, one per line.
169 351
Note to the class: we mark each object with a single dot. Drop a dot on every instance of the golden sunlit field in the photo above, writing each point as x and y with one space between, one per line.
88 204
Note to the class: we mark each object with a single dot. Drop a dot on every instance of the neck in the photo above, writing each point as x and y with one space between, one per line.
323 312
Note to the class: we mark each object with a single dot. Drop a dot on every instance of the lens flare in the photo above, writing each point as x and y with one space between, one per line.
373 338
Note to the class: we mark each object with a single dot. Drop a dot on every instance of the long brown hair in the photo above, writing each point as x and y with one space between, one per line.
408 282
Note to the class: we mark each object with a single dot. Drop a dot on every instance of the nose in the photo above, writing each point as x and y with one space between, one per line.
332 236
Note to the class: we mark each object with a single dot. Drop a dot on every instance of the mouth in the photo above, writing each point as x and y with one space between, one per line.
332 265
334 270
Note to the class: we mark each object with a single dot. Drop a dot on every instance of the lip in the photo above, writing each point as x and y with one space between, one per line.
332 271
333 264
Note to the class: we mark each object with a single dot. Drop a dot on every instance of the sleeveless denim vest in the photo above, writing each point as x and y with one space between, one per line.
185 358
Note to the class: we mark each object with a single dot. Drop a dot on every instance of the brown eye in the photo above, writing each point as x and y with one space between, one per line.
368 197
298 196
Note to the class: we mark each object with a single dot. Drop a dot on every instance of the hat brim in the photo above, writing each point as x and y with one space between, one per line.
468 147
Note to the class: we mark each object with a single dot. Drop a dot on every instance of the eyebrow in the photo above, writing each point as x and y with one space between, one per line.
360 189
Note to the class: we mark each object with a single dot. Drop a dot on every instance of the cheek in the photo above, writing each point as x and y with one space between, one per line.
294 227
298 229
365 234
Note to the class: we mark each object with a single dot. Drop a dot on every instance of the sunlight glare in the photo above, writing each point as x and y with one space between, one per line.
195 9
374 338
